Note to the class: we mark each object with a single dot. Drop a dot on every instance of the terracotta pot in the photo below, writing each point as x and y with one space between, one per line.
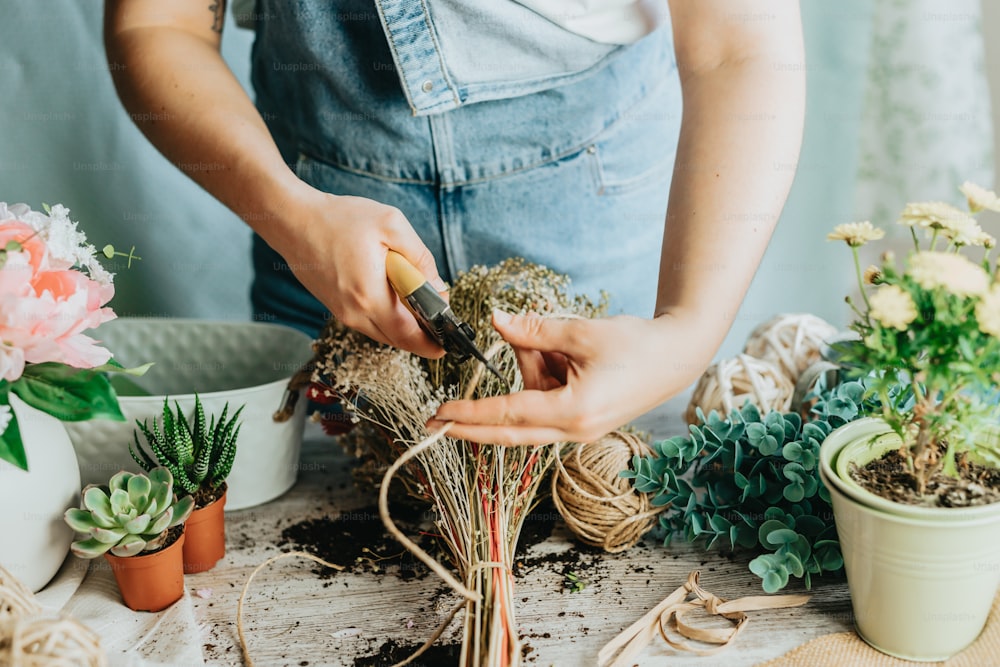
206 537
922 579
35 538
152 582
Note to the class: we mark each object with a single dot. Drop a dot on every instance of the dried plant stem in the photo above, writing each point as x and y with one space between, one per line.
383 510
481 492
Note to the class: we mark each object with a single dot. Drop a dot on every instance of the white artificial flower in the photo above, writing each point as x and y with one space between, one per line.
892 307
6 415
855 233
931 215
955 273
964 231
988 312
980 198
66 245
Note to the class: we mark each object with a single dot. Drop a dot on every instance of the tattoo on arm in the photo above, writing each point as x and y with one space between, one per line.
218 9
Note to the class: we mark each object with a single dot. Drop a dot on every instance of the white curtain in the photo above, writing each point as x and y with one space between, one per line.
927 124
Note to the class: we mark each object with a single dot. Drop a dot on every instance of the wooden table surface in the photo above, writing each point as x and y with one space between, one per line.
382 608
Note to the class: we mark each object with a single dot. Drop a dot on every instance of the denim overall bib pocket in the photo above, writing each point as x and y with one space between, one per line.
573 176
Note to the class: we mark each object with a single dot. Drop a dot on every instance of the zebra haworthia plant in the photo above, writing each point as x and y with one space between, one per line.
200 455
130 515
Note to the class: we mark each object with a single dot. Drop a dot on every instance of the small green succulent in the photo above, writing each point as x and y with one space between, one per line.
199 455
130 515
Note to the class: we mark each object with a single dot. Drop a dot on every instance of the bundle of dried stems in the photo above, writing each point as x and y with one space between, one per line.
481 494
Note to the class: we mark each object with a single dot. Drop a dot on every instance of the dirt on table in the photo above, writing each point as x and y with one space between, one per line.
890 478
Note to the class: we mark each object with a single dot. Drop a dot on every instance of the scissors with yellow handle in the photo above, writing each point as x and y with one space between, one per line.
433 313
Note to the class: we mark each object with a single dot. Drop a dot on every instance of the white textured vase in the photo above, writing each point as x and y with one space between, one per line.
34 539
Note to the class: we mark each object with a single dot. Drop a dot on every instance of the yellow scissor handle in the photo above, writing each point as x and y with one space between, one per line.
404 277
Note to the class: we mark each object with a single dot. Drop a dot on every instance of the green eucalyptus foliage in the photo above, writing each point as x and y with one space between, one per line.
751 481
130 515
200 455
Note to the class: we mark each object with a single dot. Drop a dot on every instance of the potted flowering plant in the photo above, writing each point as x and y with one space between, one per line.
915 490
52 290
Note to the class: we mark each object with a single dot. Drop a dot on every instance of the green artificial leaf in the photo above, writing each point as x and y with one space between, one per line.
11 445
771 569
793 564
794 492
828 555
771 526
780 537
743 535
697 524
68 394
114 367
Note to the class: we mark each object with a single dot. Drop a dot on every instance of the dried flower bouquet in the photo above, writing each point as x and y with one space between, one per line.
481 494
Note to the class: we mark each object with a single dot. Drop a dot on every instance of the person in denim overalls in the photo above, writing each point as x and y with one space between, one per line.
463 132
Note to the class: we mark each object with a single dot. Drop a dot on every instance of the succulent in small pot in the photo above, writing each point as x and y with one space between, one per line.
136 523
200 454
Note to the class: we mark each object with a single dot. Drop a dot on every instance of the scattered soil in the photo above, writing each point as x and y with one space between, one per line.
890 478
392 652
357 539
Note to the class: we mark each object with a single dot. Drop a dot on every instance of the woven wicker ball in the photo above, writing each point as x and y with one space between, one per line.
31 638
47 640
16 601
601 508
728 384
792 341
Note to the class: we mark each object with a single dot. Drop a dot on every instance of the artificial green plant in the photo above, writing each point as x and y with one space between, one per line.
751 481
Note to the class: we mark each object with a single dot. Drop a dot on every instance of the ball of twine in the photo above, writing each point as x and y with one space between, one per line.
16 601
601 508
31 638
728 384
792 341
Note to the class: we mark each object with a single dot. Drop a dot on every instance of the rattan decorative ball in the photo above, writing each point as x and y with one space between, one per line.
793 341
29 637
46 640
16 601
601 508
730 383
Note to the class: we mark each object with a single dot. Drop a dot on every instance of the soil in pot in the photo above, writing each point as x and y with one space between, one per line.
890 478
153 580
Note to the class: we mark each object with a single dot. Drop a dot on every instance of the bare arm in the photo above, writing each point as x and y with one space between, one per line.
172 79
742 76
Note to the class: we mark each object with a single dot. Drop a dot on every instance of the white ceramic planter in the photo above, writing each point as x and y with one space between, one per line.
236 362
34 539
922 580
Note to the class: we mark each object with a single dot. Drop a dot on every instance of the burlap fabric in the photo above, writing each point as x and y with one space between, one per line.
846 649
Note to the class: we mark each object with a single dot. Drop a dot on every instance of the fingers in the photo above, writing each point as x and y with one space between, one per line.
398 327
528 418
540 333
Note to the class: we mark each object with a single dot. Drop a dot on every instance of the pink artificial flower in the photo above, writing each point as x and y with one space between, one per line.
45 307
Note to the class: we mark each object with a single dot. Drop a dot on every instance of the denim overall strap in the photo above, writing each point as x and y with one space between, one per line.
417 56
573 176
